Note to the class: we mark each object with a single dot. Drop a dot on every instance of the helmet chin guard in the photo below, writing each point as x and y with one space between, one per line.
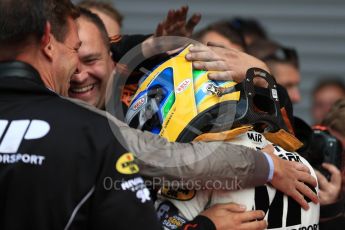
259 105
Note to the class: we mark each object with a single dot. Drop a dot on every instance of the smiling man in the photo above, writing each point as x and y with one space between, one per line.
95 67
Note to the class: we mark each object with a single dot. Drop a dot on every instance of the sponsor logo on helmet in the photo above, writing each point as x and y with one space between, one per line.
183 86
139 103
209 88
125 164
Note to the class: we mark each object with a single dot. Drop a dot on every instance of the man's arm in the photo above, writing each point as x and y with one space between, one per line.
198 163
202 162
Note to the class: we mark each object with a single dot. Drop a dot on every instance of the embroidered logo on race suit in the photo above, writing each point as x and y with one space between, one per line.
126 165
290 156
168 215
255 137
274 204
164 209
174 222
137 185
17 132
178 194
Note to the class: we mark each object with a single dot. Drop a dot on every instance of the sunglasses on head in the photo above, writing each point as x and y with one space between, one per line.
283 54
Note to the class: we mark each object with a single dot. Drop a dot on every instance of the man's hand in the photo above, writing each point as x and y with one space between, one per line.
329 190
176 23
230 64
290 177
233 216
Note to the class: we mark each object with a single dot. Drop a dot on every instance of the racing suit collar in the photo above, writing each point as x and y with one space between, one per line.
21 70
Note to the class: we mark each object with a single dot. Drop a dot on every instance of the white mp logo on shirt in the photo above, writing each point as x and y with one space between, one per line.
16 132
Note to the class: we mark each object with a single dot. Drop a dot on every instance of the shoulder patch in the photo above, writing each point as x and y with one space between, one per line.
178 194
125 164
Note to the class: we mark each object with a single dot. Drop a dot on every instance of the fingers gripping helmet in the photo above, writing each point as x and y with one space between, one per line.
180 103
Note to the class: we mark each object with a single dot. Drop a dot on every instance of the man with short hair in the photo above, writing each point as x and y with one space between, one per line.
89 81
60 166
283 64
110 16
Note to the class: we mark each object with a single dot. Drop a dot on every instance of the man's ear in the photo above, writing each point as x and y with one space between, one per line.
46 41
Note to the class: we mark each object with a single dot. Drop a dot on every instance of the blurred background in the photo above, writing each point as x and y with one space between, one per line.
315 28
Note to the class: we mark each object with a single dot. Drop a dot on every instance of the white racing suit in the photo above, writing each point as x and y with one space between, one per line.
177 206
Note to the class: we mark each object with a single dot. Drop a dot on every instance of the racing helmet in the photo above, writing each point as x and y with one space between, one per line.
180 103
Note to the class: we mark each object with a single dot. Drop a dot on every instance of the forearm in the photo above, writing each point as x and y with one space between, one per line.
226 163
198 162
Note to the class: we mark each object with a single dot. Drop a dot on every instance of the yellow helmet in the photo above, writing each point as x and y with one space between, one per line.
179 103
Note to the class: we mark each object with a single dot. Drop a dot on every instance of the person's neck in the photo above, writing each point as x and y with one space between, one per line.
43 67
